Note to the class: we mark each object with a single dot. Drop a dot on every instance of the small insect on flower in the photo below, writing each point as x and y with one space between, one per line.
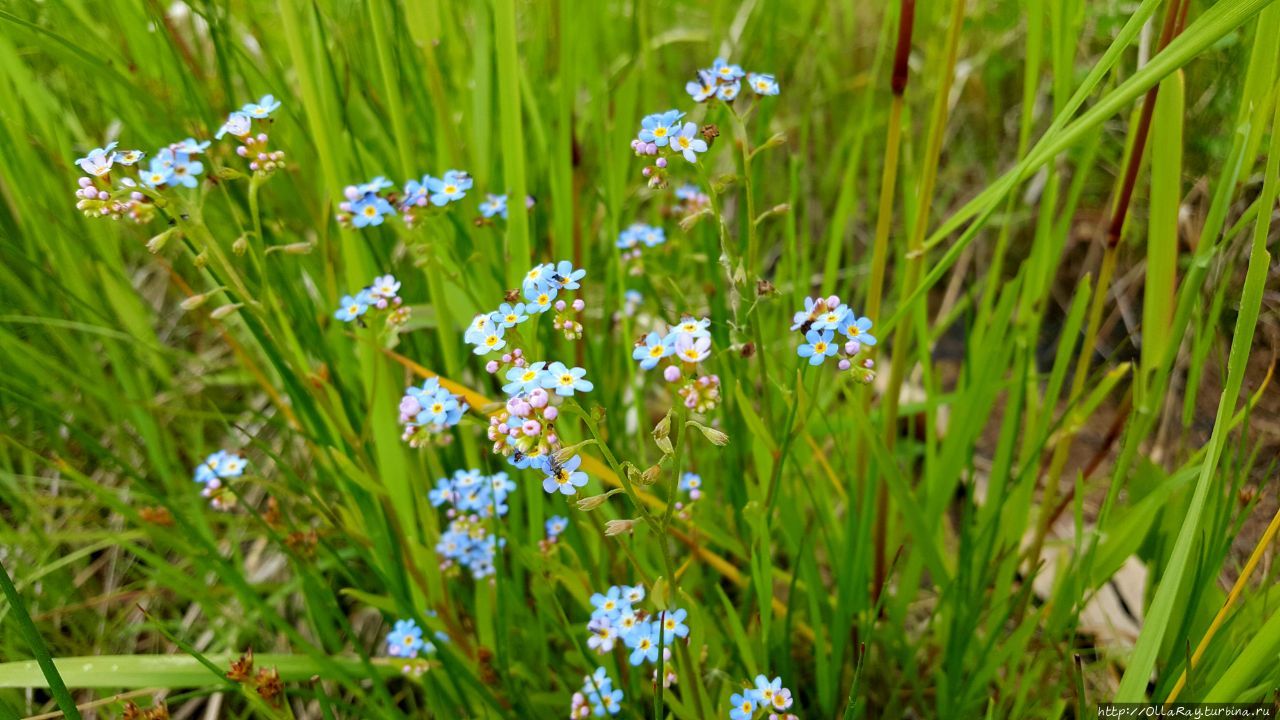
99 160
702 89
654 348
688 143
565 276
566 380
405 639
261 109
565 477
819 346
763 83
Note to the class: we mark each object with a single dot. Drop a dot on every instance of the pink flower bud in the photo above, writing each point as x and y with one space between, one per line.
661 162
844 364
262 137
560 306
551 413
853 347
531 428
351 192
243 151
518 352
538 398
672 373
578 304
504 428
647 171
85 182
506 357
491 367
409 405
651 148
833 301
553 438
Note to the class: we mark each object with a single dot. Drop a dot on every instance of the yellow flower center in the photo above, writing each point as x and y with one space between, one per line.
370 210
353 309
655 351
437 408
450 189
566 379
819 347
529 375
491 340
510 318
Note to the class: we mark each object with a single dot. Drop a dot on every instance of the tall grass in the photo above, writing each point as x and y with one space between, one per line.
1057 213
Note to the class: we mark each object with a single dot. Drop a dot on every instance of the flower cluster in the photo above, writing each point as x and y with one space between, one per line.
219 466
524 431
638 235
663 135
616 619
540 289
684 347
767 695
723 81
381 294
598 696
473 499
367 204
820 320
239 124
135 187
427 411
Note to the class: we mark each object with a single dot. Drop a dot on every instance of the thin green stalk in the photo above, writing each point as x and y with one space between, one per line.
513 145
31 633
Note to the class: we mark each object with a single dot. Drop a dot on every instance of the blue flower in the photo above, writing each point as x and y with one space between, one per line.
491 340
374 186
687 143
566 380
508 315
415 193
453 186
405 639
702 89
566 276
819 347
832 319
803 316
609 604
524 379
440 409
724 71
763 83
129 157
856 330
673 624
659 127
609 701
654 349
766 689
540 296
652 236
98 161
369 209
351 308
263 108
556 525
564 477
688 192
690 481
238 124
729 91
184 169
158 174
442 493
494 205
742 706
384 287
190 146
643 642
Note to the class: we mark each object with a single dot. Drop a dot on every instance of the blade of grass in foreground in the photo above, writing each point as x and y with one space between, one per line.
43 670
1133 684
165 671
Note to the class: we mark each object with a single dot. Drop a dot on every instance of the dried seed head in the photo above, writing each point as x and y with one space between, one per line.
710 133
